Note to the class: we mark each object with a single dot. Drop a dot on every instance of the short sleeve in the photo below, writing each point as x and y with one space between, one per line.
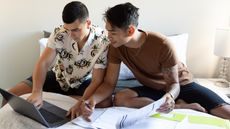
51 41
102 60
168 56
113 55
57 38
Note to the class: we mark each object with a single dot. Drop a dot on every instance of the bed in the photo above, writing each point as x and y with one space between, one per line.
177 119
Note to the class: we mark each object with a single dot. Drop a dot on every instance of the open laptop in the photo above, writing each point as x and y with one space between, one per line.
48 115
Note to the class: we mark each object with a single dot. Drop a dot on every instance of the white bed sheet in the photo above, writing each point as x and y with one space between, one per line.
12 120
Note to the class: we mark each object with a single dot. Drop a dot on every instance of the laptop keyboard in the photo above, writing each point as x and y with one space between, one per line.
50 117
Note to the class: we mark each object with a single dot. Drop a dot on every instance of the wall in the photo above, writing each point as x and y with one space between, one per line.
22 23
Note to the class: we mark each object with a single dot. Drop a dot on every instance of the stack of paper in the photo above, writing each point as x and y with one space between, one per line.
148 118
112 118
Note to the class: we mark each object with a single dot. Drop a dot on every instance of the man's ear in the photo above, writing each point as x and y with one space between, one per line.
131 30
88 23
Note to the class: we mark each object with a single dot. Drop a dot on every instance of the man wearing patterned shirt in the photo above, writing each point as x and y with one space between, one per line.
77 50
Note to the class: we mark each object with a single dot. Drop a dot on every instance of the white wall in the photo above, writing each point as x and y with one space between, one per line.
22 22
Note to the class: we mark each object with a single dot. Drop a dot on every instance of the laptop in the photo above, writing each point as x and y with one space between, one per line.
49 115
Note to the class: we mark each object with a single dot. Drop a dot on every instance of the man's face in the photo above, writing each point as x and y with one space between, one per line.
117 36
78 30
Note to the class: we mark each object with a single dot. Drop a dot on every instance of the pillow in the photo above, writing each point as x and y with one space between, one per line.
180 42
46 34
42 43
125 73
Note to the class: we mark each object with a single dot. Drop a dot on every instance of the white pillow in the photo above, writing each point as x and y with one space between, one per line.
180 42
125 72
42 43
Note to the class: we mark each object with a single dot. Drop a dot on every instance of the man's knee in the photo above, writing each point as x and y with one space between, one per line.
20 89
221 111
106 103
121 97
118 97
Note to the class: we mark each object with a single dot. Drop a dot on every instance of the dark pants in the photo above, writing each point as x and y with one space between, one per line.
51 85
190 93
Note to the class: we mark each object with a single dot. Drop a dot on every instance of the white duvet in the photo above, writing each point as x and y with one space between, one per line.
12 120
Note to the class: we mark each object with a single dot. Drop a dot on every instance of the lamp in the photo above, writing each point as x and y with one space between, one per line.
222 49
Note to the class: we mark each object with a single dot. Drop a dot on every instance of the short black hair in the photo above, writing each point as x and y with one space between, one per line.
122 15
73 11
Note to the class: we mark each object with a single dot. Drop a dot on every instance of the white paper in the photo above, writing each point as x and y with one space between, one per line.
116 119
132 117
85 124
109 118
153 123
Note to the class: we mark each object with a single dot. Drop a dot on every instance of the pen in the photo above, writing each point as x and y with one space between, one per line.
87 105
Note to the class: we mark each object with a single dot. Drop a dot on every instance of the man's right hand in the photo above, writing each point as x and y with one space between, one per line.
74 111
36 99
87 109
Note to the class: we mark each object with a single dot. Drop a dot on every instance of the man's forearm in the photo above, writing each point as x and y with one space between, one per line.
89 91
171 78
103 92
39 76
175 90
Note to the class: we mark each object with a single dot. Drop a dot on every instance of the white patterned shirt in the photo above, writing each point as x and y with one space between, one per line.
73 67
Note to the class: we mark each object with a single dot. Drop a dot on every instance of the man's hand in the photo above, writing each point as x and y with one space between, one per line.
36 99
87 109
169 104
74 111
